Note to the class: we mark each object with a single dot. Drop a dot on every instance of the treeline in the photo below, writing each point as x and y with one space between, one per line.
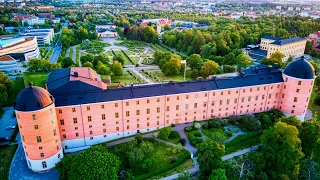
142 33
71 37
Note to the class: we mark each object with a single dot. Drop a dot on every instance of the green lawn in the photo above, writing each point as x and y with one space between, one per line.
125 78
194 140
161 155
150 52
37 78
127 61
130 53
6 154
314 108
188 164
218 135
158 47
158 76
109 53
17 86
135 59
243 141
132 44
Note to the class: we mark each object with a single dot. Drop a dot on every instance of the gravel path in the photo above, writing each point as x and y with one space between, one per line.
141 75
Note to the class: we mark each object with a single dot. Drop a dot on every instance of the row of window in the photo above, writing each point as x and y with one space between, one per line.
44 163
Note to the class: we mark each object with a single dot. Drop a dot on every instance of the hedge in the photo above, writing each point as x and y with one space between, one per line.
128 56
166 168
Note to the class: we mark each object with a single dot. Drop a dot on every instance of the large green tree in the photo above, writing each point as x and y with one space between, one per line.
194 61
210 68
310 137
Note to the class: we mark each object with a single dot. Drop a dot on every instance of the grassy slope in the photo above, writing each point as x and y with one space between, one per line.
38 79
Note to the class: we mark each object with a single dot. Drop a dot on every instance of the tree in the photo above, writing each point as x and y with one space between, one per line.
194 74
42 65
208 51
281 148
167 27
147 165
118 58
139 138
315 65
314 53
172 67
5 87
135 155
210 68
317 99
87 64
194 61
86 58
218 174
317 82
116 68
276 57
85 165
184 175
67 62
230 59
150 35
310 137
164 133
209 156
291 120
229 69
308 47
243 60
102 69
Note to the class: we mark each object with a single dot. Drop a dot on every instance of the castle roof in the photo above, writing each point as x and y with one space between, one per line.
301 69
74 92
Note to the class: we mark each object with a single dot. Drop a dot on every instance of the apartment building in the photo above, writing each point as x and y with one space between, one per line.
44 36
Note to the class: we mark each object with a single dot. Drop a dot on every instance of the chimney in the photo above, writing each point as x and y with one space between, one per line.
76 74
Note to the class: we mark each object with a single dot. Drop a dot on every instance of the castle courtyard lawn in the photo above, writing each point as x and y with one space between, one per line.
161 156
6 154
37 78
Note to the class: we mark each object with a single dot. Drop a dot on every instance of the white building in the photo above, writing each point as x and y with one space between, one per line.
55 20
9 65
33 20
44 36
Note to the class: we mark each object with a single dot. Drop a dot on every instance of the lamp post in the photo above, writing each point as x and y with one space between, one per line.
185 69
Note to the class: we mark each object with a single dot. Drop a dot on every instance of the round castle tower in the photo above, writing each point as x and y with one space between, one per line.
37 121
298 79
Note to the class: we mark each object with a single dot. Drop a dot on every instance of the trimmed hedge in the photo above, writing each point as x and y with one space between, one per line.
166 168
128 56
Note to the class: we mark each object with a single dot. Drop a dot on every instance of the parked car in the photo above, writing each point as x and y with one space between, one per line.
10 127
4 139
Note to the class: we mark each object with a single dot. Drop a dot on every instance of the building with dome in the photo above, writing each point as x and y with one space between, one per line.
77 110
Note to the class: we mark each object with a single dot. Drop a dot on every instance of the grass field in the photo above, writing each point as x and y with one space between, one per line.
6 154
109 53
158 76
218 135
125 78
188 164
17 86
130 53
135 59
127 61
38 79
242 142
161 155
314 108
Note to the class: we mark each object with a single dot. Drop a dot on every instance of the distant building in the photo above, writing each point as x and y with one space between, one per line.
20 48
289 47
44 36
55 20
278 8
107 30
46 15
314 37
290 8
8 65
33 20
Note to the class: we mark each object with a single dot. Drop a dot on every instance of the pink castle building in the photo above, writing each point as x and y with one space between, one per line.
77 110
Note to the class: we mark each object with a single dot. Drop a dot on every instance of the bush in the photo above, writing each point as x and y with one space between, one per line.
183 141
249 123
197 133
196 141
147 165
233 119
188 128
214 124
174 134
164 133
205 126
223 122
229 133
139 138
196 125
317 100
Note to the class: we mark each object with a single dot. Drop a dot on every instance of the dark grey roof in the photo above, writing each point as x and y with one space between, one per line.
271 38
288 41
83 95
32 98
300 68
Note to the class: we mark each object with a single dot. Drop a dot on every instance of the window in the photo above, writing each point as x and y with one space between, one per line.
148 101
178 97
167 121
195 105
262 97
229 92
299 83
228 101
89 119
292 111
38 139
158 122
90 126
168 108
284 87
138 125
249 98
138 112
116 105
307 99
213 94
116 115
40 148
298 90
104 124
103 116
64 136
60 111
137 103
295 99
148 124
127 103
63 130
73 109
168 98
61 122
117 128
34 117
104 130
91 138
242 99
177 107
187 96
212 103
59 156
148 111
44 164
36 127
117 122
102 106
257 97
264 88
88 108
204 104
75 121
235 100
250 89
244 90
258 88
127 113
128 126
90 132
77 134
269 96
158 99
282 96
276 95
221 93
54 132
187 106
158 110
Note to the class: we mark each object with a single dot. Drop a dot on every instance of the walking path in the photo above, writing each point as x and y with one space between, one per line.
234 135
240 152
141 76
74 54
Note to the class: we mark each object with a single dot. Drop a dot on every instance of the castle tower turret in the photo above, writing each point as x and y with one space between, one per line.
37 120
298 79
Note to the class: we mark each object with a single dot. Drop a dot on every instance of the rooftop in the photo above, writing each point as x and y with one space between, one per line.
288 41
10 41
69 91
6 58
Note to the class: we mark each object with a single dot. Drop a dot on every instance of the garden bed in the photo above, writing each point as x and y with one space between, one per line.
218 135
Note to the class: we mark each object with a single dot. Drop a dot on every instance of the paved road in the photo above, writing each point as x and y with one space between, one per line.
308 115
142 67
56 52
240 152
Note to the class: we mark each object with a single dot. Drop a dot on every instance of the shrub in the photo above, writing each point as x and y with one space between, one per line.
205 126
173 125
197 133
223 123
196 141
229 133
164 133
317 100
233 119
249 123
196 125
188 128
214 124
147 165
174 134
139 138
183 141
